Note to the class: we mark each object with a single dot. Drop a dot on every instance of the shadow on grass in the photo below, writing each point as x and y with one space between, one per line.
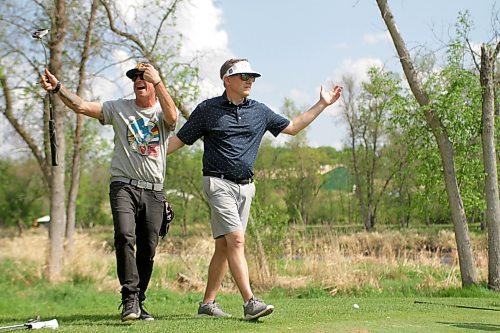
475 326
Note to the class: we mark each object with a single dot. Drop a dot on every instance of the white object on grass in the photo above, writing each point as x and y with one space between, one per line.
52 324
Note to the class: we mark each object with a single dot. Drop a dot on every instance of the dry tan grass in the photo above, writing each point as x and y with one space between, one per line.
337 262
90 258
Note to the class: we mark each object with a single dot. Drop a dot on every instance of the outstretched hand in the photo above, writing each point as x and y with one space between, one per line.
48 81
331 96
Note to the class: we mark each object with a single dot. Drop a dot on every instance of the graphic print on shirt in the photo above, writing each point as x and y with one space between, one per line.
144 137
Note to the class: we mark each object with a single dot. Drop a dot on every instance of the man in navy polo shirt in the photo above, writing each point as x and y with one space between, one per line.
232 127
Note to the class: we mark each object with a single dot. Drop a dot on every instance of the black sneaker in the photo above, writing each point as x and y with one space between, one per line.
130 307
144 314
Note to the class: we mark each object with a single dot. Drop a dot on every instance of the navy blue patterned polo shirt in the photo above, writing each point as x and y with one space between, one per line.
232 134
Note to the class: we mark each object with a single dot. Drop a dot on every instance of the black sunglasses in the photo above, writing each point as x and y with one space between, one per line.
246 76
139 75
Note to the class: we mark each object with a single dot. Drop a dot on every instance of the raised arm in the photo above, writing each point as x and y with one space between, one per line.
50 83
166 101
300 122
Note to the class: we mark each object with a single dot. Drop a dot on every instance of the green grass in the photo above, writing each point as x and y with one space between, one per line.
81 308
385 306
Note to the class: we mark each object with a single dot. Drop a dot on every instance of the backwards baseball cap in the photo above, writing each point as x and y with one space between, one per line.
137 70
241 67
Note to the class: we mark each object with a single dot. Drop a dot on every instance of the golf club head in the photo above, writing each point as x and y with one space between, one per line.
52 324
39 33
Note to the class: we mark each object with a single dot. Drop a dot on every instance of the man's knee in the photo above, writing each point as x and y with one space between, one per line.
124 240
235 240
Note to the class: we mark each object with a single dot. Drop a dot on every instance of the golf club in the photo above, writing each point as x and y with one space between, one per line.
32 325
38 34
457 306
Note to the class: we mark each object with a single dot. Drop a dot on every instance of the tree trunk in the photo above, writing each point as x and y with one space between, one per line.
75 167
488 58
57 190
465 257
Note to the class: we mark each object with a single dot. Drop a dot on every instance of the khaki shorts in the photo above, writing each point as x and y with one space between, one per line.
229 204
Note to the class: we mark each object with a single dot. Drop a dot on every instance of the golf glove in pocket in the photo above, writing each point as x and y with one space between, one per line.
168 216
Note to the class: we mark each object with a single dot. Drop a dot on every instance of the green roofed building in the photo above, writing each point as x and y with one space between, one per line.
338 179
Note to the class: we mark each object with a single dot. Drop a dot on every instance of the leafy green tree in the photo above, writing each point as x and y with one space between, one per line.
93 195
449 135
300 168
23 195
266 231
374 159
184 188
268 173
81 46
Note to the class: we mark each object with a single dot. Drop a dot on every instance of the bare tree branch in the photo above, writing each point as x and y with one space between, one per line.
165 17
19 128
474 54
140 45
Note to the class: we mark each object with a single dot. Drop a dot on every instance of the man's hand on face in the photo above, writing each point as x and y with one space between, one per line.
150 73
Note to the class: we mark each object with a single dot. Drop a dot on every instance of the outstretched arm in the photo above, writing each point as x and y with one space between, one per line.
302 121
50 83
174 143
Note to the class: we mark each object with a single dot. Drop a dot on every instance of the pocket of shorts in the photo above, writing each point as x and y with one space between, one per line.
253 190
206 186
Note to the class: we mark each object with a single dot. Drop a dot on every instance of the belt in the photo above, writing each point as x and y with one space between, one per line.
139 183
241 181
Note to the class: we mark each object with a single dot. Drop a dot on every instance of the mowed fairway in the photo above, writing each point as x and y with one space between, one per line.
83 309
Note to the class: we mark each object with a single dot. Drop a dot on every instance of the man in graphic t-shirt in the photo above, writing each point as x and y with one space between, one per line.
142 126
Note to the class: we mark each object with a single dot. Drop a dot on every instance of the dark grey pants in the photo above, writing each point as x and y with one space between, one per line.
137 216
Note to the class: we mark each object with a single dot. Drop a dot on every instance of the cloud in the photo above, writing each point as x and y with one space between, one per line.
381 37
204 45
299 97
357 68
200 23
204 42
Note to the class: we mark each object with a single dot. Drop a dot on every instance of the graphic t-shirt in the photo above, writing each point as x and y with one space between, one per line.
141 139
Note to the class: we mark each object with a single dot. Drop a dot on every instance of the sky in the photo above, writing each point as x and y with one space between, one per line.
300 45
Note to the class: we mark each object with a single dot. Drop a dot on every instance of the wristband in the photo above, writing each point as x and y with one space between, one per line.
57 88
157 83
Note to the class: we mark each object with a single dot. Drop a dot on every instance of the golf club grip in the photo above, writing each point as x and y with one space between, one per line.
53 142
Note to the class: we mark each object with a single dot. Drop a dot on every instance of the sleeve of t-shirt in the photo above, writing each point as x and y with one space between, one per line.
276 123
108 108
194 128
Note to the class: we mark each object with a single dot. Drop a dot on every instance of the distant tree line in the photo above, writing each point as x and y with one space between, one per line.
420 149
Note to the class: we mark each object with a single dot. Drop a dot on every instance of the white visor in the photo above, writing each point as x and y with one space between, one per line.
241 67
